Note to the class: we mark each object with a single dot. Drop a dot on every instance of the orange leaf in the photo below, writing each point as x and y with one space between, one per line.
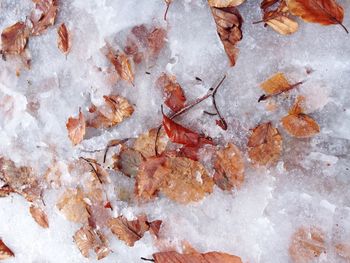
76 128
225 3
44 15
343 250
300 125
228 25
5 252
39 216
229 168
210 257
324 12
265 144
14 39
121 64
145 143
63 39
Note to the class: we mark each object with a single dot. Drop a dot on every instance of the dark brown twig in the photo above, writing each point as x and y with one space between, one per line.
147 259
93 168
166 10
210 113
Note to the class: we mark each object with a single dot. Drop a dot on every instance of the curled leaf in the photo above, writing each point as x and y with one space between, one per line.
307 244
174 95
228 24
324 12
63 39
43 16
121 64
210 257
5 251
14 39
39 216
265 144
229 168
76 128
225 3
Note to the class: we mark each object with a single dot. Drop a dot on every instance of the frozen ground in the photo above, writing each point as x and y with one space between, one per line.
310 184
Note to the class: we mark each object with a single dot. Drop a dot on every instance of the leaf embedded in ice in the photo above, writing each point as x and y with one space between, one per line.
122 64
76 128
43 16
307 243
145 143
174 95
228 25
343 250
63 40
115 110
154 227
225 3
324 12
6 190
128 162
156 41
265 144
210 257
5 251
229 168
14 39
39 216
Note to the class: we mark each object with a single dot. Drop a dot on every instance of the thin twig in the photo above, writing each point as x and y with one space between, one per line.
147 259
210 113
265 97
93 168
166 11
222 123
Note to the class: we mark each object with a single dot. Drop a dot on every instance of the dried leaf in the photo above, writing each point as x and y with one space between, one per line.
43 16
129 231
14 39
156 41
63 39
145 143
229 168
182 135
343 250
39 216
265 144
210 257
73 206
114 111
174 95
274 86
265 4
225 3
228 24
128 162
6 190
76 128
184 180
154 227
86 239
283 25
5 251
121 64
324 12
307 244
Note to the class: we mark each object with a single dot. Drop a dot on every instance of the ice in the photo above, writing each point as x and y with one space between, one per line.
309 185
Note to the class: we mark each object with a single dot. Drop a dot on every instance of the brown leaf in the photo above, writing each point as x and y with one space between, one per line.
39 216
6 190
14 39
228 24
283 25
184 180
43 16
154 227
128 162
343 250
76 128
63 39
156 41
73 206
324 12
145 143
229 168
129 231
174 95
275 84
114 111
121 64
225 3
265 4
86 239
5 252
210 257
265 144
307 244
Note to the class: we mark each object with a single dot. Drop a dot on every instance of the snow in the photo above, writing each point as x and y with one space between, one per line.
310 184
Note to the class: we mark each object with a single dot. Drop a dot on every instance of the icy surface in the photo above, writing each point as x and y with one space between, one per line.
310 185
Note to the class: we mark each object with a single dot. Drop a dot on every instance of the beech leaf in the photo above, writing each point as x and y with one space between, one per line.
39 216
210 257
14 39
76 128
145 143
156 41
225 3
128 162
121 64
63 39
43 16
5 251
343 250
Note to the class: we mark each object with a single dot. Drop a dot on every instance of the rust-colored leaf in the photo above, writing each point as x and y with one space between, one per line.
14 39
174 95
324 12
182 135
229 168
6 190
156 41
121 64
225 3
63 40
39 216
228 25
184 180
5 251
128 162
265 144
154 227
210 257
145 143
307 243
43 16
76 128
114 111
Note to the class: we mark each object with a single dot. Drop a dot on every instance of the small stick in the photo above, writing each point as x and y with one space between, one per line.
265 97
93 168
147 259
